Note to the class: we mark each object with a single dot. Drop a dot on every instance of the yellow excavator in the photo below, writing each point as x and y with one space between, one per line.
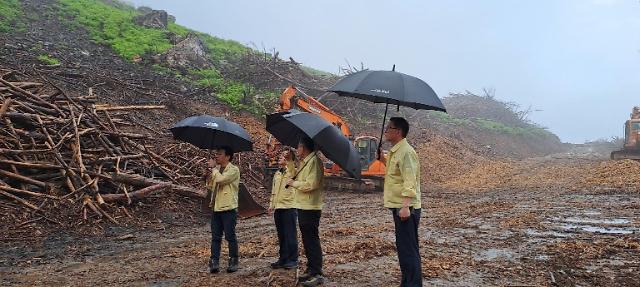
631 149
335 179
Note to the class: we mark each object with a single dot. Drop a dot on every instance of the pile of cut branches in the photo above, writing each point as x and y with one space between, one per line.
54 147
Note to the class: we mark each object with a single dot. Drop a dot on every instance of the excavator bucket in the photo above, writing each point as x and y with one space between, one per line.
247 206
346 184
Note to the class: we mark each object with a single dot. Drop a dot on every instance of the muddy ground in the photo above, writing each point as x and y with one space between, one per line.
499 237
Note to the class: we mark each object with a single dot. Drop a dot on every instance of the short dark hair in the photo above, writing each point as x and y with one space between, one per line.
290 151
227 151
401 124
308 143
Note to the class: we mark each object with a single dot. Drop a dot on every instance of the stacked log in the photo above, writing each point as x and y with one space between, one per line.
57 147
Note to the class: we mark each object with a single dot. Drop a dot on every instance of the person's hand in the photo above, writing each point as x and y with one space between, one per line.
211 163
270 211
289 183
404 213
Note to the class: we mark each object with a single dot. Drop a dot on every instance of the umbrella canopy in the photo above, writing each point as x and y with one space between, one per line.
209 132
289 127
389 87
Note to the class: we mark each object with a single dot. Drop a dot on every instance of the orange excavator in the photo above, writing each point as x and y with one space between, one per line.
335 179
631 148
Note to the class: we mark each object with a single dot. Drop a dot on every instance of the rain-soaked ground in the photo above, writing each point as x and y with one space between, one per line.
483 238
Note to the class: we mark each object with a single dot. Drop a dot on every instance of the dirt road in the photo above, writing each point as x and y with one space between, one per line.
497 237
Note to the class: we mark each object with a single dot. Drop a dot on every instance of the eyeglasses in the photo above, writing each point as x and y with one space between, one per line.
390 128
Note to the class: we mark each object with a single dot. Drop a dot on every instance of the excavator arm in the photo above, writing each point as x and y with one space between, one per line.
373 170
291 99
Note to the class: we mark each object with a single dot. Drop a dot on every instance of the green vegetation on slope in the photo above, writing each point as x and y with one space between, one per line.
48 60
491 125
317 73
114 26
233 93
10 11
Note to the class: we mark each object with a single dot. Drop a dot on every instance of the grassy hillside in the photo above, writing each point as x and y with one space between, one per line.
10 11
112 24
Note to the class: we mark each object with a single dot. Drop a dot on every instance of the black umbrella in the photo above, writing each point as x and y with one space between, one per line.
389 87
289 127
209 132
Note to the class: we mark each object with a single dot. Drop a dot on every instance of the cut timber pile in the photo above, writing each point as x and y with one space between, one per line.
623 174
444 158
56 148
528 174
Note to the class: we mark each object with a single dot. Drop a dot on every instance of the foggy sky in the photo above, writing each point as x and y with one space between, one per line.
573 61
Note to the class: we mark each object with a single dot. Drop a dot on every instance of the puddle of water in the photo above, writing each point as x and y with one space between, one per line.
536 233
166 283
542 257
348 267
596 266
494 253
595 221
597 229
486 226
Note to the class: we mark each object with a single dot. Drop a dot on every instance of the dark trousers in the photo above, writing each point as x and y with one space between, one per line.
224 221
407 244
287 234
309 221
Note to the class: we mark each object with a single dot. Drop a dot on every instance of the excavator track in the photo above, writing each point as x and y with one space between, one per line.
347 184
625 154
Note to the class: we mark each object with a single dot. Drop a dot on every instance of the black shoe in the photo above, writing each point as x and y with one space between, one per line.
277 265
214 266
233 265
315 280
304 277
290 265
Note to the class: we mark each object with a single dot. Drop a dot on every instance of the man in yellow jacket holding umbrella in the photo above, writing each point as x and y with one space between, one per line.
226 137
224 184
402 197
283 207
309 186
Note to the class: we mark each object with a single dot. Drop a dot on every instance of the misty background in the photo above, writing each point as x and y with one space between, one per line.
574 63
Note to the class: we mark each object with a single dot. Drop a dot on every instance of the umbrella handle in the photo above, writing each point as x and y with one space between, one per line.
386 108
293 178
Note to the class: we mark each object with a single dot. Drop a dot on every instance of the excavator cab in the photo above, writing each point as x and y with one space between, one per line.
631 149
367 147
630 131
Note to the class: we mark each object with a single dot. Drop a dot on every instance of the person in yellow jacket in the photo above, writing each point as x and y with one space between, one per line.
282 206
224 183
309 186
402 197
